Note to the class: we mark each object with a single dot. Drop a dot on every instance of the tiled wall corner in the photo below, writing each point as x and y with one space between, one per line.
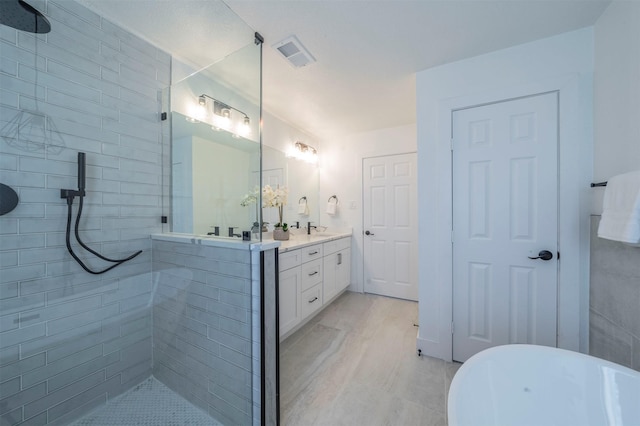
68 339
614 323
256 379
202 327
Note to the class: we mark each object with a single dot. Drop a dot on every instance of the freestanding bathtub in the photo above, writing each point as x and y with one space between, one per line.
520 385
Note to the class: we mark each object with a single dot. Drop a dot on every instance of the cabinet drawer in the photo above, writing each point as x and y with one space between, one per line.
311 300
330 247
311 252
336 245
344 243
311 274
289 259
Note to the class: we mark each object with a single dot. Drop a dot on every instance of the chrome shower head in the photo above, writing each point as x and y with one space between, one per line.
21 16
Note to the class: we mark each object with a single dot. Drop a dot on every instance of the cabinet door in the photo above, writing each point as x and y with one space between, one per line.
343 269
329 288
289 299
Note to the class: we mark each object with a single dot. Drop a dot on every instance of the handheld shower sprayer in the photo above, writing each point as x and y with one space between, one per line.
69 195
82 171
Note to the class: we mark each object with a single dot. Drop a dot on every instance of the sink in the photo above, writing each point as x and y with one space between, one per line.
323 234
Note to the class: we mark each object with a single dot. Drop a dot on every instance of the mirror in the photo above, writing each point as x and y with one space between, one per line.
210 176
213 173
216 151
302 180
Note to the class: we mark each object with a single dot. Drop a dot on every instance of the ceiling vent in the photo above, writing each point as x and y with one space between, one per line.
294 52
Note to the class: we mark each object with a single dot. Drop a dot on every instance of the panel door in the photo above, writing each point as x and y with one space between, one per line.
329 283
505 211
390 218
343 269
289 299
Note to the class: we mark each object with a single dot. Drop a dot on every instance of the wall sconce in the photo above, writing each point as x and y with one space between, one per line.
302 151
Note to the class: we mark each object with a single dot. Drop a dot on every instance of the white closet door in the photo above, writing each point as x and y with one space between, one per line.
505 211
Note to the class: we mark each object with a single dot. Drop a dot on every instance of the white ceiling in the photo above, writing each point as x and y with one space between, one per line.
367 51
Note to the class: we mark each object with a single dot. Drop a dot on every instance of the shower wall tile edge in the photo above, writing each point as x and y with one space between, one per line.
614 317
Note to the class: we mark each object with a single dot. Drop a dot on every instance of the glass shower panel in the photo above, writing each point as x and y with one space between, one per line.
215 150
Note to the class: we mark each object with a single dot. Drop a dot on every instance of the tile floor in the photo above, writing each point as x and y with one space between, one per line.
356 364
353 364
150 404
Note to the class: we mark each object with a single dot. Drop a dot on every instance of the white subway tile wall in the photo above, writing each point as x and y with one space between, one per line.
70 340
202 319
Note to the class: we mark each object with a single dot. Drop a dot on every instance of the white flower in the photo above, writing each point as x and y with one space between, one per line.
274 197
250 198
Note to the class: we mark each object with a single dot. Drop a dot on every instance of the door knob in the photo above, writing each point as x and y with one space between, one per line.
544 255
368 233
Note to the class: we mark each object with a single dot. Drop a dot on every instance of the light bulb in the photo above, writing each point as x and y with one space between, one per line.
244 129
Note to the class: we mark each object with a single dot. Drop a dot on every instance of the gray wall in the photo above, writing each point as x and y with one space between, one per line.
615 268
68 339
614 300
202 325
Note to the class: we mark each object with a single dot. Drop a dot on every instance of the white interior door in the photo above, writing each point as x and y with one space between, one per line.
505 211
391 227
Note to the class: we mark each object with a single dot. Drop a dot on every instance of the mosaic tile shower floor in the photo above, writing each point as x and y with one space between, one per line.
149 404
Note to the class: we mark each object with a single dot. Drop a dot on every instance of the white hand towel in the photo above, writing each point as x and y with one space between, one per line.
331 206
303 208
620 219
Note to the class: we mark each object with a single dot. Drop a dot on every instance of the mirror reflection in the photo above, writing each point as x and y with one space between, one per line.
216 155
216 176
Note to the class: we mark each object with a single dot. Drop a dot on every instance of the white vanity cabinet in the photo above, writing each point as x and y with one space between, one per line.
310 277
336 267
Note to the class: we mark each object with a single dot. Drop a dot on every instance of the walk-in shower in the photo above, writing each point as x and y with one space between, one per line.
177 329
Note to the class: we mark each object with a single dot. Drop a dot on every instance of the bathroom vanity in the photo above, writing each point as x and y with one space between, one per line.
314 270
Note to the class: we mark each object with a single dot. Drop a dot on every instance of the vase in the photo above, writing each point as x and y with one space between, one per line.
279 234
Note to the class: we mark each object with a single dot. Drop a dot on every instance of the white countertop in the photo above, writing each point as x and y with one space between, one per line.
298 238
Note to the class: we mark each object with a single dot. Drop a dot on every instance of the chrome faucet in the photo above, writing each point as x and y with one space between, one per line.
231 234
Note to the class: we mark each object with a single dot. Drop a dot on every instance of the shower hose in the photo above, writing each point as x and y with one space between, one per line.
115 262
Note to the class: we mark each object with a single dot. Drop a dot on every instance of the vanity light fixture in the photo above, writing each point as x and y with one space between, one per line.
223 116
304 152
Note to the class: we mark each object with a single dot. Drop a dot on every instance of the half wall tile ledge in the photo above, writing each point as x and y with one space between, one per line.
224 242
